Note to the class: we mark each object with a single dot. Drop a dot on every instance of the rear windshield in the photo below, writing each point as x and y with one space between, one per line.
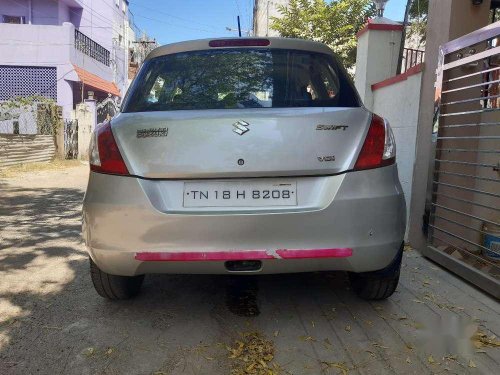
240 78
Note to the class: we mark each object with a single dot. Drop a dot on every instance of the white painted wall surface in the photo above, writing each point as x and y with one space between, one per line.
376 59
399 104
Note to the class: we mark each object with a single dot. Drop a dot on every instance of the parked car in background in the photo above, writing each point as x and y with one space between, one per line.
243 156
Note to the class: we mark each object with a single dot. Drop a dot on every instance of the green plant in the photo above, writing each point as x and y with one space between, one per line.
334 23
46 109
418 21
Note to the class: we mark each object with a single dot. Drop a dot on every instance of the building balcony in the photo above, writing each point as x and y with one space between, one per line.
92 49
53 45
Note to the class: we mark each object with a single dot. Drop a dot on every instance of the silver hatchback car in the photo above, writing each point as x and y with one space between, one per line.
243 156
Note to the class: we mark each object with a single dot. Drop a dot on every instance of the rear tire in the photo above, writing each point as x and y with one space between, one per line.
114 287
378 285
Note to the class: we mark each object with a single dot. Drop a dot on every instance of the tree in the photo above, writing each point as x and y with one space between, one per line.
419 9
418 20
334 23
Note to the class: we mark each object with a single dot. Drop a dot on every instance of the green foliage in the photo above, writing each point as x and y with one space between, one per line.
20 102
418 20
334 23
204 80
201 88
46 111
419 9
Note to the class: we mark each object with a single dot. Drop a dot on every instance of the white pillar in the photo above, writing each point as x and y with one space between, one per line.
92 108
377 55
86 123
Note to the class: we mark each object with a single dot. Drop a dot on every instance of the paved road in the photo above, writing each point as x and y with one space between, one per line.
52 321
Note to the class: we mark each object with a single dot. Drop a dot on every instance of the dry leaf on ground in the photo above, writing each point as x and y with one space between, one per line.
377 345
481 339
88 352
307 338
252 355
341 366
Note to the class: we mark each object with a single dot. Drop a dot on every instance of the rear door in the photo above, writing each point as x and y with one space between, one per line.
240 112
241 143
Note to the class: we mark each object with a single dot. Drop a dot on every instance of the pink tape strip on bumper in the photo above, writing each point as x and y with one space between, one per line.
193 256
314 253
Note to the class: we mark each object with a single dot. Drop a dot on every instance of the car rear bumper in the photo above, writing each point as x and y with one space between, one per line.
353 222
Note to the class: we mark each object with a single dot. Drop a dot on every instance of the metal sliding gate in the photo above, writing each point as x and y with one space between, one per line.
464 223
106 109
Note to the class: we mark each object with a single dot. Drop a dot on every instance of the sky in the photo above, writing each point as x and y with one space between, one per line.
176 20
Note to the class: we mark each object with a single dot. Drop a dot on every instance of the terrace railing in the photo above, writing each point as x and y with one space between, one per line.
411 57
91 48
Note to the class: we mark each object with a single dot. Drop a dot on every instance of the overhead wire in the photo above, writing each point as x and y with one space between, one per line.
112 26
173 16
170 24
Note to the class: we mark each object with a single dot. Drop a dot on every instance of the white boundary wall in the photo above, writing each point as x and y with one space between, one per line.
399 104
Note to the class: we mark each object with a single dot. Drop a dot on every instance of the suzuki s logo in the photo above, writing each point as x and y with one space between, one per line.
241 127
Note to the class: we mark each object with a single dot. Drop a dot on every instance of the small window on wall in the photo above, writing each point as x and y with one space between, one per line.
13 19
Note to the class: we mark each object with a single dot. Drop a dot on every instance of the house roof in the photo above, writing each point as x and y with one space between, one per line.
96 82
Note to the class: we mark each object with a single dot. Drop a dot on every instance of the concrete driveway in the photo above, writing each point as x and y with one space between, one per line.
52 321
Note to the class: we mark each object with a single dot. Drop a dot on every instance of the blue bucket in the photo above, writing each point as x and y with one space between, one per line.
492 242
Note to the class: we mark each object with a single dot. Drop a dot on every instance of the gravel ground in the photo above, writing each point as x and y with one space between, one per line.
52 321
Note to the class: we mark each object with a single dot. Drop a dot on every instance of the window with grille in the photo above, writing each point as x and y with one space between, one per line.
27 81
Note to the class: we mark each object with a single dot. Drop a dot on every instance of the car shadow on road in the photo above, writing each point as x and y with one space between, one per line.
52 320
176 323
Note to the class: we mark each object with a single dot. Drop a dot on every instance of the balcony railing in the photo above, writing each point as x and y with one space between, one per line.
89 47
411 57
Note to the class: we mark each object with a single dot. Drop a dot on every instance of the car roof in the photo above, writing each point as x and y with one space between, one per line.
203 44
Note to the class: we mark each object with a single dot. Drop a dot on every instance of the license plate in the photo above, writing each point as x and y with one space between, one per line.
240 193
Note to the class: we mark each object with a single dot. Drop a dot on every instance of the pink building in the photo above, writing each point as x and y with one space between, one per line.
64 49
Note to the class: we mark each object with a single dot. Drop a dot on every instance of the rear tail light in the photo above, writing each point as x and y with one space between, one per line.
104 155
379 148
